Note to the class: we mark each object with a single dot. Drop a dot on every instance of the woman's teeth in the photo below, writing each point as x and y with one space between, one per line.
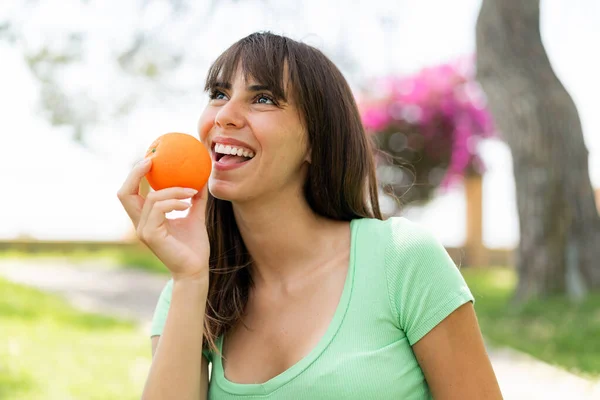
232 150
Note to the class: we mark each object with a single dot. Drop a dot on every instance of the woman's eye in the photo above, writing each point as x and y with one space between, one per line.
217 95
264 99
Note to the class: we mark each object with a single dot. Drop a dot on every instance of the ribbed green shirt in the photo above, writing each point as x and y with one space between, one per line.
400 284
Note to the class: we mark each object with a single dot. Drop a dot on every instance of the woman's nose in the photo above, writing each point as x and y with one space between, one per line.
230 115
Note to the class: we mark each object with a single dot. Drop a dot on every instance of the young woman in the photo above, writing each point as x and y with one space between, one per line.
284 275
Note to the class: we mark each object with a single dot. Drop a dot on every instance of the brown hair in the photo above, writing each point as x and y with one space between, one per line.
341 182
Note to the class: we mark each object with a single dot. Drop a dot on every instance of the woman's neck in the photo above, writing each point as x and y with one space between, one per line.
285 236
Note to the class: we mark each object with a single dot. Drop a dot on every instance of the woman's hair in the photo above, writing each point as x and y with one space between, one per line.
341 182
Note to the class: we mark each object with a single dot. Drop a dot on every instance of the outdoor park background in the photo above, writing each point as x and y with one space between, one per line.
60 183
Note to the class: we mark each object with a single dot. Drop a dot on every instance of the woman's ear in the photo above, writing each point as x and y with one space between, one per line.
308 157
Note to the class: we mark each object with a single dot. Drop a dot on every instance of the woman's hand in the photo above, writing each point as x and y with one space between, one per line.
181 244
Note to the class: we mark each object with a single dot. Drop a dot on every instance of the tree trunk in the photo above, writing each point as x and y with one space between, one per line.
559 250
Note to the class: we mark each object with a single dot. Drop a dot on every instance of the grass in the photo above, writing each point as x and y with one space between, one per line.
50 351
554 330
136 258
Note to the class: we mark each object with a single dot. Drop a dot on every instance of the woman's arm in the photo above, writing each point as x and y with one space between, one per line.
203 369
454 360
179 370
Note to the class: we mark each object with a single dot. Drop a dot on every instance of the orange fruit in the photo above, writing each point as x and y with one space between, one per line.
178 160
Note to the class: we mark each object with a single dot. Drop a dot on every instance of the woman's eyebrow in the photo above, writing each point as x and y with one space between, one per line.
257 88
250 88
222 85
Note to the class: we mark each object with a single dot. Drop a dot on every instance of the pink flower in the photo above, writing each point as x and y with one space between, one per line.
442 103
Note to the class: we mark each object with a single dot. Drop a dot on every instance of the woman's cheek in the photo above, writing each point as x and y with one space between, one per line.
205 124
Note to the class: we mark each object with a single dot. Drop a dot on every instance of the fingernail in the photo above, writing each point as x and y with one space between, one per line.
143 162
191 192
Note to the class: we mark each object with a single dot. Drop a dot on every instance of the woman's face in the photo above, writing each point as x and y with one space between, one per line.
258 144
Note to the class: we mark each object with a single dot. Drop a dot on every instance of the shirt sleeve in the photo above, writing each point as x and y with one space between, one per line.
425 285
162 310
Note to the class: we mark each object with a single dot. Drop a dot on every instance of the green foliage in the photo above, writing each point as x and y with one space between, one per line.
554 330
137 258
140 259
50 351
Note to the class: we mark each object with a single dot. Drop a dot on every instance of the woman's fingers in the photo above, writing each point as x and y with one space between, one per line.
197 211
164 194
159 203
128 194
157 216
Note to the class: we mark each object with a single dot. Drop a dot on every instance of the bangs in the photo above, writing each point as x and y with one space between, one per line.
261 60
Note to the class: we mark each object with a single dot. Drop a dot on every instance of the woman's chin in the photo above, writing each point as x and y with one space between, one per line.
226 191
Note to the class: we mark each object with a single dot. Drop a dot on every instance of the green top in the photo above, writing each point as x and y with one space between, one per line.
400 284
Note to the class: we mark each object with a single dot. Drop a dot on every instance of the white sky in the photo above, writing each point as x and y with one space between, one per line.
54 189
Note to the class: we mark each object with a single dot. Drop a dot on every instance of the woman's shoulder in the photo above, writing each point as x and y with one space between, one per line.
423 283
398 231
402 241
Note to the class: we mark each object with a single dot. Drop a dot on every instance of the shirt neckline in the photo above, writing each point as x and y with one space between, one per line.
286 376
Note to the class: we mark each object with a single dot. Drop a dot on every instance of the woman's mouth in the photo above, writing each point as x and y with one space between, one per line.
227 155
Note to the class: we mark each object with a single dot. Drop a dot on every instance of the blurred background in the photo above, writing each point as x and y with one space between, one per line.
483 112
